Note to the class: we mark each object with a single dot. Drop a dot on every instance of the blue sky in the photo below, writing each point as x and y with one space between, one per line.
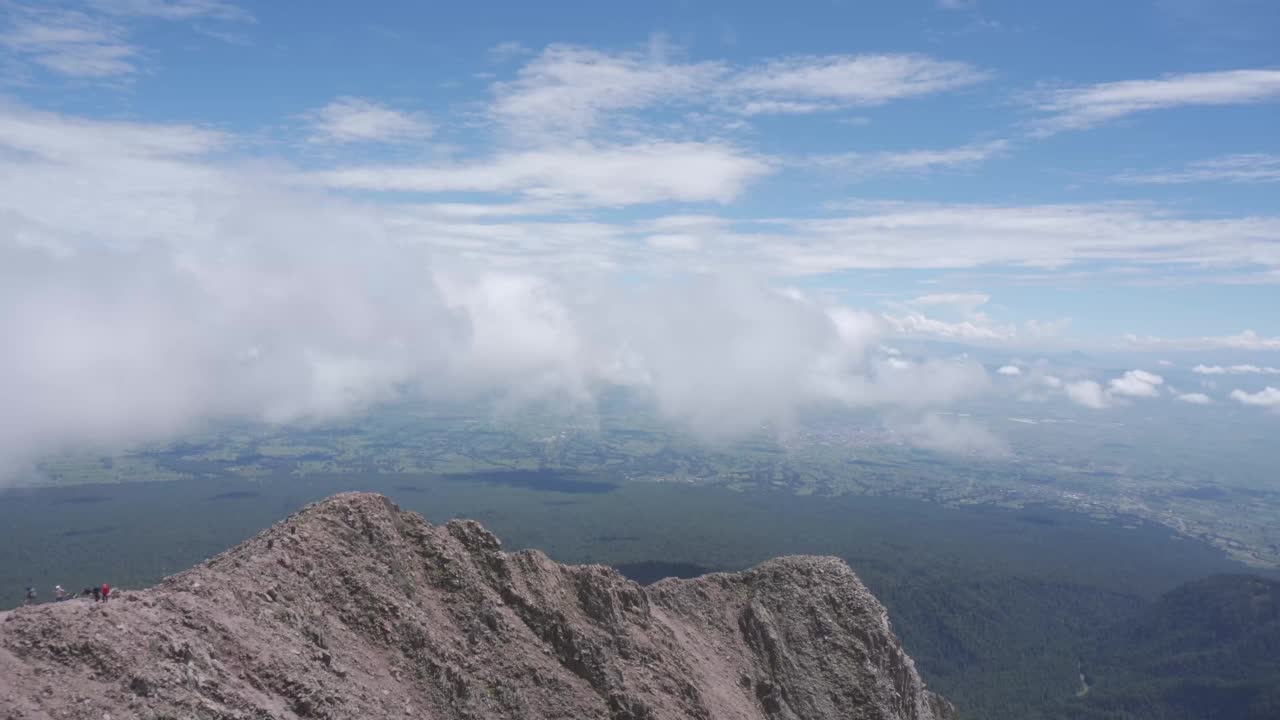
966 119
297 179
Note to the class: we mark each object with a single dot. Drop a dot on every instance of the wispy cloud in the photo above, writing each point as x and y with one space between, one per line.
913 160
1084 107
352 119
507 51
92 43
1242 168
923 235
952 316
61 139
1195 398
951 435
173 9
70 43
1234 370
1088 393
566 90
599 175
1247 340
813 82
781 107
968 301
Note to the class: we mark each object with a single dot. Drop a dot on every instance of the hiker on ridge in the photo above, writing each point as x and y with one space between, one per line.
106 592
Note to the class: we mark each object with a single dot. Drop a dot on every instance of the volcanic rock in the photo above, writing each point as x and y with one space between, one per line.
352 608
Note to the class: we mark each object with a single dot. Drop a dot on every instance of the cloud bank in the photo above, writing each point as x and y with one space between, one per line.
149 284
1268 397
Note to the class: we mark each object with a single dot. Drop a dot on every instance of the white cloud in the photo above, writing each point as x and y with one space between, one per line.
509 50
1242 168
951 435
978 327
1136 383
187 287
59 139
1046 328
602 175
1195 398
1009 370
931 383
916 235
1235 370
831 81
967 302
90 43
1033 382
351 119
70 43
912 160
566 90
1247 340
1088 393
1083 107
1268 397
173 9
779 107
960 319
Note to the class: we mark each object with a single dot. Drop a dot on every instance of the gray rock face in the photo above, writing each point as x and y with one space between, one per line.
354 609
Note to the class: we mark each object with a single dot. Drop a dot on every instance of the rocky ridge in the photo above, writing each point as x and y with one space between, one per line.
352 608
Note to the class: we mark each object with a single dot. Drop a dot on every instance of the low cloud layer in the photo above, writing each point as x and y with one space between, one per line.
566 230
123 345
1136 383
1235 370
1130 385
145 289
954 435
1087 393
1083 107
1195 398
1268 397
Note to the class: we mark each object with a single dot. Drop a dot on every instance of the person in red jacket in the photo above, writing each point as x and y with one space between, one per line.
106 592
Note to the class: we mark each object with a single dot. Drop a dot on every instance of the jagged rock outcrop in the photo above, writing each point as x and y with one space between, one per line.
354 609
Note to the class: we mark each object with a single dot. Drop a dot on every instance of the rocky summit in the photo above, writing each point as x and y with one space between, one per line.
352 608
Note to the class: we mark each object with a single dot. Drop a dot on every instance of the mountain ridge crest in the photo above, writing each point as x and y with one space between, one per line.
351 607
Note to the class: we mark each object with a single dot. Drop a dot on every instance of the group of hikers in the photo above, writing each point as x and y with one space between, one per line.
99 594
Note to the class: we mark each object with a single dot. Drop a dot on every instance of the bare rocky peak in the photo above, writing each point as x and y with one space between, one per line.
354 609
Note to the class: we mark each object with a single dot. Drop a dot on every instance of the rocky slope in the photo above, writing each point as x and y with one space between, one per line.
354 609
